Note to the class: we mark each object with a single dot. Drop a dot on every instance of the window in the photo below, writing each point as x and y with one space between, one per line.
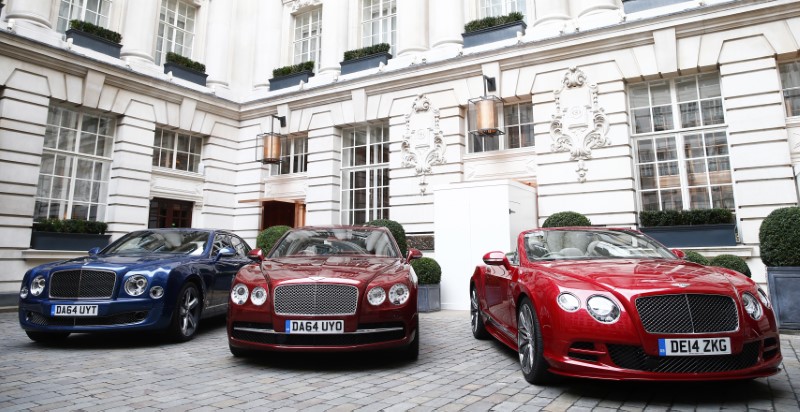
517 124
91 11
76 160
307 27
490 8
177 151
379 23
365 174
294 154
175 29
790 81
682 157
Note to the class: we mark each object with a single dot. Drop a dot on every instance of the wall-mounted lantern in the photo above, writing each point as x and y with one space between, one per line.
268 145
484 111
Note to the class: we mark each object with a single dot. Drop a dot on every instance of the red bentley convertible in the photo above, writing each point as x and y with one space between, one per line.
615 304
326 289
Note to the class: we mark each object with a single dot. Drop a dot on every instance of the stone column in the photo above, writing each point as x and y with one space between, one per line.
591 14
447 23
139 26
323 205
30 12
219 52
412 27
266 36
552 19
334 37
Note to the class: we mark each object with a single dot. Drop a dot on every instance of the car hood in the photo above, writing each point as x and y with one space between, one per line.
120 263
636 276
340 269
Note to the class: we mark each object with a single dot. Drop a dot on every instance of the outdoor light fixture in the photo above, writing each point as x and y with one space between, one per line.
270 142
484 111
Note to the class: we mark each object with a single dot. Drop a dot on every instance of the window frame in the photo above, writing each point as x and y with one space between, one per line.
314 37
387 24
193 141
168 43
294 159
375 173
792 110
69 7
493 8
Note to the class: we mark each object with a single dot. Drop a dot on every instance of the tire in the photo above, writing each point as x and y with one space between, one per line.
476 320
186 314
529 345
411 352
46 337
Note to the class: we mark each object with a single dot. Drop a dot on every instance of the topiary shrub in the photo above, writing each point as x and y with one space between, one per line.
96 30
692 256
186 62
397 231
428 270
294 68
651 218
267 238
732 262
779 236
562 219
493 21
366 51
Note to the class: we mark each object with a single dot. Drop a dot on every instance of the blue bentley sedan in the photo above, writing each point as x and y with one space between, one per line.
155 279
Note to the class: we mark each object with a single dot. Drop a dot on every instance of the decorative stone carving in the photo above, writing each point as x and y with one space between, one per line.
579 123
423 144
299 5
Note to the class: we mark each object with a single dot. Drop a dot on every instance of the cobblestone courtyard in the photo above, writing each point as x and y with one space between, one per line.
454 372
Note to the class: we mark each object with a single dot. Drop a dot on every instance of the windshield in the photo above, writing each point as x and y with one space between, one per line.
591 244
184 242
345 241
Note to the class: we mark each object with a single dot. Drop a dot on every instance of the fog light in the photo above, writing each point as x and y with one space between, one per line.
23 293
156 292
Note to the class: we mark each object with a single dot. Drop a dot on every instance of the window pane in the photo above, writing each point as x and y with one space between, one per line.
644 149
690 114
712 112
693 146
640 96
650 201
696 172
699 198
641 120
716 144
665 148
647 177
671 200
722 196
686 89
660 93
709 85
662 118
669 175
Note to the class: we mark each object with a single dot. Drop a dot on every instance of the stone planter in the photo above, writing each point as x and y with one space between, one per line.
693 236
67 241
367 62
90 41
186 73
429 298
493 34
784 293
289 80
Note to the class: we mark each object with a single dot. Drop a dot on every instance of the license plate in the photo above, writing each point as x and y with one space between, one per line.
694 347
73 310
314 326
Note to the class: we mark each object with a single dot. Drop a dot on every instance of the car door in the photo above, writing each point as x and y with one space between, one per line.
225 267
498 293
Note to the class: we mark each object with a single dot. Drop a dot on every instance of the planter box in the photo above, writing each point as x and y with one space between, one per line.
185 73
429 298
289 80
784 292
67 241
90 41
693 236
367 62
493 34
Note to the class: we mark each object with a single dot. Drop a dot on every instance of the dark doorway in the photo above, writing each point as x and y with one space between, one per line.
170 213
274 213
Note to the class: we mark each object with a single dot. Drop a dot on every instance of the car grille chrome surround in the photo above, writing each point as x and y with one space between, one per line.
634 357
316 299
688 313
128 318
365 334
82 284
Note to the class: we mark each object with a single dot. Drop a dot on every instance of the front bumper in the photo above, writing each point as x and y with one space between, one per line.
131 314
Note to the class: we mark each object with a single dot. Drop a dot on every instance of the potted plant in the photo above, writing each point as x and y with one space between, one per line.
731 262
779 237
94 37
267 238
692 256
398 232
365 58
429 274
562 219
185 68
492 29
690 228
288 76
69 234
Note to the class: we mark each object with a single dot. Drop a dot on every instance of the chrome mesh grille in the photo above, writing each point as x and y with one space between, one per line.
82 284
688 313
316 299
634 357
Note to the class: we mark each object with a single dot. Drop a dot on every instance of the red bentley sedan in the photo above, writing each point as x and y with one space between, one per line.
332 288
616 304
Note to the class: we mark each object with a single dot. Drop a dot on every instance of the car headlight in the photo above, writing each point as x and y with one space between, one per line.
764 298
37 285
603 309
751 306
568 302
376 296
398 294
259 296
136 285
239 294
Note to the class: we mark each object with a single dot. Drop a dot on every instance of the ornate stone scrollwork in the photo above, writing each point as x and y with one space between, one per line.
298 5
579 123
423 144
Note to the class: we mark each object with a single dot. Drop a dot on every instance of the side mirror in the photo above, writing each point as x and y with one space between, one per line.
94 251
496 259
256 255
225 252
413 254
679 253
